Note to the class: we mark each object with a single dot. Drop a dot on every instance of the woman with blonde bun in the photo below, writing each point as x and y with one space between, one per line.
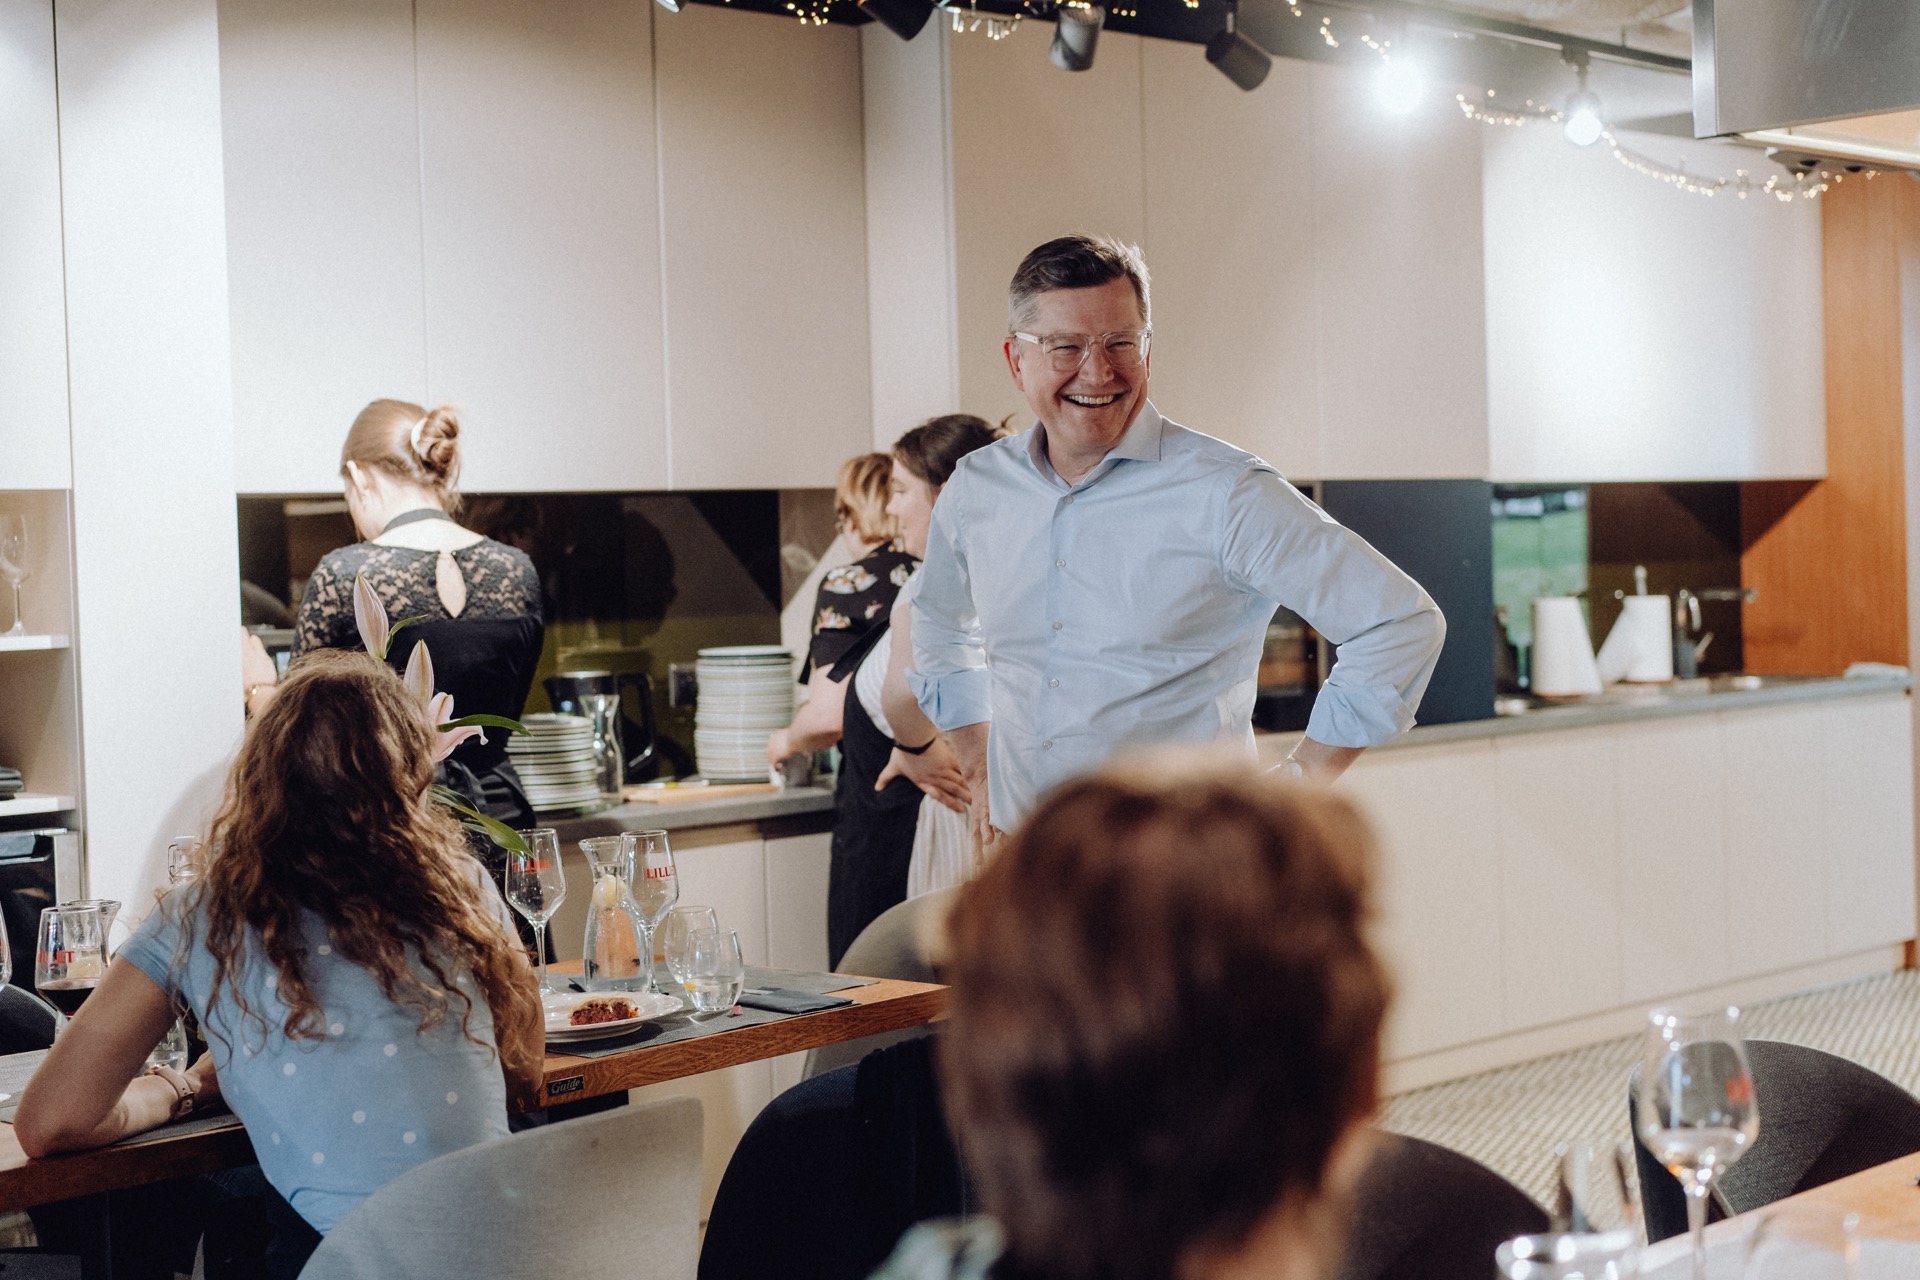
478 600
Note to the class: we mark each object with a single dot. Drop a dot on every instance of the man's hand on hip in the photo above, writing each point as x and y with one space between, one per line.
969 743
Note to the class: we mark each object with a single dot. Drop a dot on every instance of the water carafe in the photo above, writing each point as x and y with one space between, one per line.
616 937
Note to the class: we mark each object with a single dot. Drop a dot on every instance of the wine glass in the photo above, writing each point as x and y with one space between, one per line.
13 563
1592 1202
716 973
676 938
1697 1113
70 957
536 886
656 887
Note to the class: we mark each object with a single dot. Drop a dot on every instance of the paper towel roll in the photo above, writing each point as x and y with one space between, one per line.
1562 653
1639 649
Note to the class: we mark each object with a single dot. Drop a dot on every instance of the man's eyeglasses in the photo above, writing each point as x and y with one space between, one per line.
1067 352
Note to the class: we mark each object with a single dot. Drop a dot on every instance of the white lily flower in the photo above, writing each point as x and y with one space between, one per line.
419 673
439 711
370 616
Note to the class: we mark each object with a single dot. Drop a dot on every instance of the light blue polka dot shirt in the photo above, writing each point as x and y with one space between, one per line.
332 1119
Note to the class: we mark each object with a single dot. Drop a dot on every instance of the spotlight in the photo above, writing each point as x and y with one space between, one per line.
1582 122
1076 31
1239 59
902 17
671 6
1400 84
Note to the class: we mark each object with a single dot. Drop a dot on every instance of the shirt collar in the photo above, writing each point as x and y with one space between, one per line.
1140 444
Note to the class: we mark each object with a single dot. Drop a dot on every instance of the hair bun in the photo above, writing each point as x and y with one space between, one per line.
438 446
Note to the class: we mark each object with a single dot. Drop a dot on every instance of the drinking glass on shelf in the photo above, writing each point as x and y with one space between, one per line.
1803 1242
1697 1113
536 886
183 859
656 886
716 973
69 957
13 563
676 939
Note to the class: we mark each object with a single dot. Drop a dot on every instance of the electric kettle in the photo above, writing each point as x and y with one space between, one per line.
596 695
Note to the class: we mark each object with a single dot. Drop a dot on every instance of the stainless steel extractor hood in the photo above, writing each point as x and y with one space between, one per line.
1836 77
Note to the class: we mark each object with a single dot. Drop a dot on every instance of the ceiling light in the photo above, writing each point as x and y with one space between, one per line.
902 17
1582 123
1400 84
1076 31
1239 59
671 6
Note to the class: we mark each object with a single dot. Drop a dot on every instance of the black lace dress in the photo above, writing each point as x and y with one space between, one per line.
485 657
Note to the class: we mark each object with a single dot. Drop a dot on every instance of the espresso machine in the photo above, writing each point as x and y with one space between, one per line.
622 749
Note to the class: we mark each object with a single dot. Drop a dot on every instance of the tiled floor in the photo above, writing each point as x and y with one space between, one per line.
1511 1119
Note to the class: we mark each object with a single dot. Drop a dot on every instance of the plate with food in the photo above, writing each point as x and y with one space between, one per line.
599 1014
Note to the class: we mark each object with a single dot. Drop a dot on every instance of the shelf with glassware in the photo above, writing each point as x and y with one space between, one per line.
39 688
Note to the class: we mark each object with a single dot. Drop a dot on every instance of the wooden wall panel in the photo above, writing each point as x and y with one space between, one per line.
1828 561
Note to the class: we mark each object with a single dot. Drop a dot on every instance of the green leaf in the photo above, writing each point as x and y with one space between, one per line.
394 630
486 722
471 818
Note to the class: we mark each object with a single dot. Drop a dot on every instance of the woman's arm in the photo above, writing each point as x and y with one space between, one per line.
816 725
89 1092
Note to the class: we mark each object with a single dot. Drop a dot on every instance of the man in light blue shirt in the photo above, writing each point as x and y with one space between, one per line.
1105 579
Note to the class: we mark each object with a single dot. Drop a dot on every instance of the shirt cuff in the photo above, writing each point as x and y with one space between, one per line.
1347 717
953 700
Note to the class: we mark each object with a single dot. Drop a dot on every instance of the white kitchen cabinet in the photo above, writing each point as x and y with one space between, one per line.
763 236
1435 812
1560 905
1636 332
540 228
33 336
732 879
797 901
321 145
1868 753
1776 835
1037 153
1671 833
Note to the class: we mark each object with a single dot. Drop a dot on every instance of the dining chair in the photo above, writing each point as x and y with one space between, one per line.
611 1194
897 944
1424 1212
26 1021
832 1171
1822 1117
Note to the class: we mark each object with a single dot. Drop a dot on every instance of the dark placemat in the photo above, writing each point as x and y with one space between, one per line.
687 1025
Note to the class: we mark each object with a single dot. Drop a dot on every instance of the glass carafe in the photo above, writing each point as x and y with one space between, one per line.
616 937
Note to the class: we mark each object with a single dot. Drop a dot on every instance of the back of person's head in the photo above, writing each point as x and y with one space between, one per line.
407 442
1078 261
328 811
934 448
1165 1018
860 497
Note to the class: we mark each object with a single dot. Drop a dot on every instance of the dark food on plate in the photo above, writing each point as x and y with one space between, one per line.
602 1009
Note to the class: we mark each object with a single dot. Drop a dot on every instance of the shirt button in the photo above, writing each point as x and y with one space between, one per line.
1068 499
1047 745
1053 684
1059 564
1058 625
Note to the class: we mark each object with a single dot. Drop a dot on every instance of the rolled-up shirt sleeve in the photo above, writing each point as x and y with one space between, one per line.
1389 631
949 675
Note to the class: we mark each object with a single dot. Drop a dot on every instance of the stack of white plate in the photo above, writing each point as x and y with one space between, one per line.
746 692
555 761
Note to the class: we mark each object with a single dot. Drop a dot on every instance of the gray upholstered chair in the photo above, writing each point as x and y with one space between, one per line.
896 945
614 1194
1822 1117
1424 1212
26 1021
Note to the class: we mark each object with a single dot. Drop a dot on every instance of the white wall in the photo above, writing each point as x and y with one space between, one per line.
1638 332
33 357
155 564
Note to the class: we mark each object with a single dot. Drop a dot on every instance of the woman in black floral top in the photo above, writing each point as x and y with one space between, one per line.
478 600
853 605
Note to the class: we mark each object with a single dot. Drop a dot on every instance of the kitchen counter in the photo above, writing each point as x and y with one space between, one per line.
795 811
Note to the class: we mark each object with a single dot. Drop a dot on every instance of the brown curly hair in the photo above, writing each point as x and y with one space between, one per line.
1165 1017
327 810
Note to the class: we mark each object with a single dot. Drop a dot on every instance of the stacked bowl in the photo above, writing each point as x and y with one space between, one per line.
746 692
555 761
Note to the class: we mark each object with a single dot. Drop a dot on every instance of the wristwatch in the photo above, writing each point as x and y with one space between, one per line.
185 1092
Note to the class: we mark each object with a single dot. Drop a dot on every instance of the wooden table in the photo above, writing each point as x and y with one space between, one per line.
886 1005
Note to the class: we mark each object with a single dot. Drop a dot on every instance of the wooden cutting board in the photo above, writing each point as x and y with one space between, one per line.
681 795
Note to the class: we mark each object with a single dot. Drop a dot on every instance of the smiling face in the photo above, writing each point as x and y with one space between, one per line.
912 505
1085 411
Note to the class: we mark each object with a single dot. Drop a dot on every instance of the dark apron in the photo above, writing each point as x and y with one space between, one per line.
872 830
